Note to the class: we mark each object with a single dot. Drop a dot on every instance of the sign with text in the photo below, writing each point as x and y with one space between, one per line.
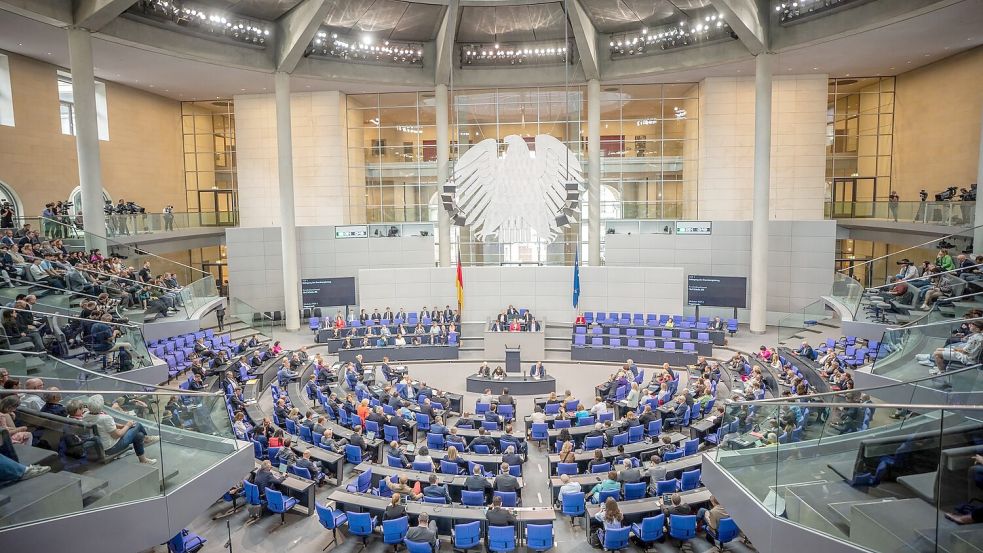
717 291
351 231
693 227
327 292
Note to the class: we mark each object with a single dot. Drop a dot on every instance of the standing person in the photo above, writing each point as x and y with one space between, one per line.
892 204
922 206
220 317
169 217
6 215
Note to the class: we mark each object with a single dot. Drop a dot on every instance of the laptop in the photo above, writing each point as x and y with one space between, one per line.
369 435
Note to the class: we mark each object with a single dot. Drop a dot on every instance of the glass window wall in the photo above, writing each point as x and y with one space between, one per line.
210 157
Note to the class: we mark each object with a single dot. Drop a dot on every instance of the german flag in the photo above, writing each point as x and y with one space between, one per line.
459 283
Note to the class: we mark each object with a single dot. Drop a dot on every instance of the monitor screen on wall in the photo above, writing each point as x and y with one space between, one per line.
327 292
718 291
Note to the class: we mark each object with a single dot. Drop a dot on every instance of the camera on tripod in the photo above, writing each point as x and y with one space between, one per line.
947 194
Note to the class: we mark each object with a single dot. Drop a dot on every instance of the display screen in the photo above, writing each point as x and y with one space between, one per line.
694 227
718 291
328 292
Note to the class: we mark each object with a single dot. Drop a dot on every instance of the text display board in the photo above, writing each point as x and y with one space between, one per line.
717 291
327 292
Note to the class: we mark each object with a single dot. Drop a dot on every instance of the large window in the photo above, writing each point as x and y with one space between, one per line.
859 136
650 148
66 106
208 129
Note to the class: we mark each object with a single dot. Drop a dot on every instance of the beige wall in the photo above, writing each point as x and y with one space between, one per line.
938 110
141 161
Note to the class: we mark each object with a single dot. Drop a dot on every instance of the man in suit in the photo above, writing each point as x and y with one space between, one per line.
497 516
363 316
483 439
424 531
476 482
359 441
505 482
401 314
506 398
266 478
448 314
305 462
491 415
388 314
510 457
437 490
512 312
676 507
537 371
387 371
376 316
357 365
427 409
378 417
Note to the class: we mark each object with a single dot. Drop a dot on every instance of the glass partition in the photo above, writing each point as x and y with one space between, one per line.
912 352
251 317
794 323
956 214
881 476
83 434
847 291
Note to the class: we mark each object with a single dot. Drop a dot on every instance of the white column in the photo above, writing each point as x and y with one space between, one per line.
978 232
593 172
443 161
288 225
87 137
762 181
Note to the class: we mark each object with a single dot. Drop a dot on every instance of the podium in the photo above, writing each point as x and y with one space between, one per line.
512 362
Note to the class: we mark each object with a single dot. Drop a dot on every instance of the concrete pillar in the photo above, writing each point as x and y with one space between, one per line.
594 172
978 221
288 225
443 162
762 184
87 137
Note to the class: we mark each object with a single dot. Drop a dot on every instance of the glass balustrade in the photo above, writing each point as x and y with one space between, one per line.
251 316
184 433
135 224
956 214
795 323
881 476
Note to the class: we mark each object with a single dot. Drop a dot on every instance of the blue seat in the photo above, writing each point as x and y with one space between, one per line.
655 428
690 447
482 449
361 525
467 536
362 483
636 433
490 426
552 408
567 468
540 432
258 451
619 439
651 529
435 441
372 426
509 499
306 435
573 505
390 433
394 530
666 486
481 408
600 468
561 424
604 495
726 531
635 491
690 480
353 454
472 498
507 412
251 492
422 422
501 539
185 542
515 470
682 527
437 500
423 466
276 503
673 455
593 442
394 461
609 416
539 537
616 539
448 467
418 547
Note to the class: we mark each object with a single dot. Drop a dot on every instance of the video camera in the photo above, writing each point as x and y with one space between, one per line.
967 195
947 194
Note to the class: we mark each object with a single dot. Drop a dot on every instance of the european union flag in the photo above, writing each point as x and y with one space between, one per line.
576 277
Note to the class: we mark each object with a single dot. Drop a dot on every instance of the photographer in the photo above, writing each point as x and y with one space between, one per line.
920 214
7 214
169 217
893 199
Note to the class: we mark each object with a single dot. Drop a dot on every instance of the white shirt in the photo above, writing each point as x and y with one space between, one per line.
569 487
105 425
599 408
31 401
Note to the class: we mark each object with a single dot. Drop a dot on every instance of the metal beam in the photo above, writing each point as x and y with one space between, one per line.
95 14
585 35
296 29
444 58
749 19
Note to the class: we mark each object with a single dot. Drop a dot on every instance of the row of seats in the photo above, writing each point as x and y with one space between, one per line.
652 319
646 333
176 351
580 340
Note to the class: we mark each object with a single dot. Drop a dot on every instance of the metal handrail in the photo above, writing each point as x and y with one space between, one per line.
127 325
922 277
910 406
104 375
934 240
52 288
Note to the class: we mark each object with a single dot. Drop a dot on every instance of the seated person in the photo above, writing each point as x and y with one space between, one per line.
425 531
436 490
538 371
609 483
116 437
484 370
499 373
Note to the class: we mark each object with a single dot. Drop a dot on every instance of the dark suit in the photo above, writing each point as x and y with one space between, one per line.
506 399
499 517
506 483
421 534
436 490
484 440
475 483
394 512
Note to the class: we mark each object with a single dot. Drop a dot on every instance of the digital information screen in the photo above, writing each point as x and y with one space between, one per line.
718 291
327 292
352 231
694 227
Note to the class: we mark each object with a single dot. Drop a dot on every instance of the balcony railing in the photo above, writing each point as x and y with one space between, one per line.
956 214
